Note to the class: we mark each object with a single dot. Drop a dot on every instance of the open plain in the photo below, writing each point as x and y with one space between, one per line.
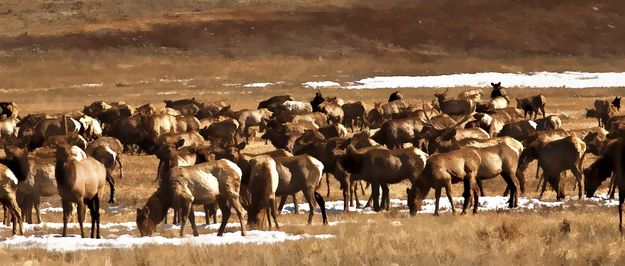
59 56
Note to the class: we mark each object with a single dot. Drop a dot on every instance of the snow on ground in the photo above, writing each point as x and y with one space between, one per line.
567 79
74 242
261 84
321 84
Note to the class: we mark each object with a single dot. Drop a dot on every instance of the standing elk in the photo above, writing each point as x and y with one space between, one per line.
550 122
605 109
472 94
532 105
14 169
354 114
80 182
263 184
250 118
453 107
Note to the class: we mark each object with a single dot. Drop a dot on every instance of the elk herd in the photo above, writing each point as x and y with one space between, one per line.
200 146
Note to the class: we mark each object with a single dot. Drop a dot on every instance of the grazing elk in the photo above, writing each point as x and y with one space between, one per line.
382 167
333 110
80 182
554 158
519 130
250 118
221 131
263 184
611 162
441 171
273 102
183 186
532 105
550 122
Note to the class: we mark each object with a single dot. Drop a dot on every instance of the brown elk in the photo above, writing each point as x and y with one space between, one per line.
497 91
354 114
441 171
252 118
263 184
80 182
183 186
397 95
554 158
334 111
453 107
14 169
605 109
381 167
273 102
532 105
611 162
383 112
519 130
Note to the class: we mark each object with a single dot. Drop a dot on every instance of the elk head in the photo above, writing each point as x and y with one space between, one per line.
617 103
496 86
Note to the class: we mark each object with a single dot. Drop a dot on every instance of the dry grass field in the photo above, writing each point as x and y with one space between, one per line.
58 56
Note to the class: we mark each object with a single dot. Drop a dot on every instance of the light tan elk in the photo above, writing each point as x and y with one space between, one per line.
183 186
442 170
14 169
453 107
80 182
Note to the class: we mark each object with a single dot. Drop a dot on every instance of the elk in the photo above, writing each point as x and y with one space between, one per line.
519 130
605 109
497 91
382 167
315 102
272 103
250 118
354 114
532 105
548 123
471 94
397 95
441 137
334 111
611 162
80 182
14 169
554 158
453 107
442 170
183 186
263 184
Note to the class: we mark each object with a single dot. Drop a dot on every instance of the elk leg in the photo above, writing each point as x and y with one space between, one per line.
308 195
282 202
238 208
544 186
467 195
363 188
476 195
385 202
449 197
328 184
183 213
295 204
207 213
96 205
274 212
375 196
346 187
224 206
580 180
192 221
621 199
80 209
67 210
111 182
437 196
512 202
17 216
612 187
92 214
358 205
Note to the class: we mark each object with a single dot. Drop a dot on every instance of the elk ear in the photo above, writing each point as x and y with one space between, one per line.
241 146
492 84
179 143
499 84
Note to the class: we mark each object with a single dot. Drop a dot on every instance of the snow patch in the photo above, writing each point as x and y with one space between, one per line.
569 79
321 84
75 242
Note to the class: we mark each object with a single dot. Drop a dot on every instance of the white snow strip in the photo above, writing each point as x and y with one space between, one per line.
87 85
258 85
167 93
569 79
74 242
321 84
